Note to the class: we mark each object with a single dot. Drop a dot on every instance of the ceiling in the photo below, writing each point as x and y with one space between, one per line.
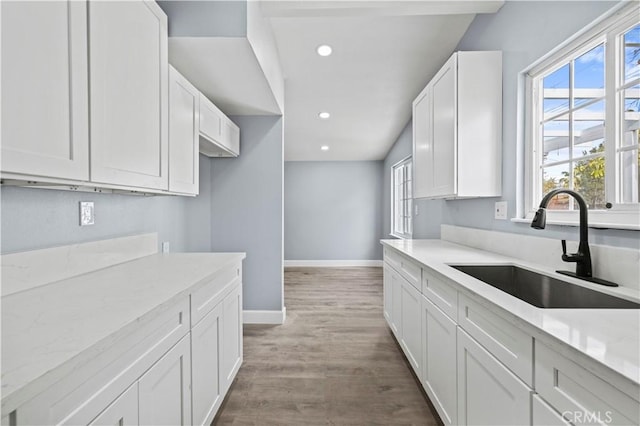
384 53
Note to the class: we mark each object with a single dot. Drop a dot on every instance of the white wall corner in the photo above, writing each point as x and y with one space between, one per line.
264 317
331 263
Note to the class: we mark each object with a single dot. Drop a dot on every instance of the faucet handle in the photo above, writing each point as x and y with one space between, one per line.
564 246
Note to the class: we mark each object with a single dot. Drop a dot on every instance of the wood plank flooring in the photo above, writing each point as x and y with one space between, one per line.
333 362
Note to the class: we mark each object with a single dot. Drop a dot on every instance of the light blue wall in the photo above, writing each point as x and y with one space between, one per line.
246 214
524 31
40 218
219 18
332 210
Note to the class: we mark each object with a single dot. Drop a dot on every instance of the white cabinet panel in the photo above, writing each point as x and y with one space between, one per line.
44 82
220 137
440 293
422 142
544 415
387 293
512 346
488 393
457 129
128 93
205 363
573 390
164 390
443 129
411 328
439 361
184 116
396 304
231 336
122 412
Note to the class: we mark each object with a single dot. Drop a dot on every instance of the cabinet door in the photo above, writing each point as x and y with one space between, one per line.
231 336
439 363
396 305
488 393
411 325
443 130
422 144
183 134
387 293
544 415
164 390
44 81
205 363
122 412
129 93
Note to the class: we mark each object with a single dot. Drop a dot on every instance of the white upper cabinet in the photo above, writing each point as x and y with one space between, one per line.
184 117
45 112
457 129
129 93
220 137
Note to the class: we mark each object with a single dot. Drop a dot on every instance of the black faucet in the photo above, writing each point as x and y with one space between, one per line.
582 257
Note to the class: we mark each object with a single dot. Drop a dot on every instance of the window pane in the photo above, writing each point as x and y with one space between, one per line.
631 119
588 180
632 54
556 91
629 171
556 177
556 140
588 73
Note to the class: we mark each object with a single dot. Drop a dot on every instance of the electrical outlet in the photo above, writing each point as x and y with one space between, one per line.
501 210
86 213
165 247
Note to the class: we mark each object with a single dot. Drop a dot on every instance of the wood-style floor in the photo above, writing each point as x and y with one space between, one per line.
333 362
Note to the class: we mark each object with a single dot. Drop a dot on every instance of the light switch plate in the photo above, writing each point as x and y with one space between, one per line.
86 213
501 210
165 247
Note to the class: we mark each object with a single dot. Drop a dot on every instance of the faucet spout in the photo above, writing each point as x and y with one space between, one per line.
583 257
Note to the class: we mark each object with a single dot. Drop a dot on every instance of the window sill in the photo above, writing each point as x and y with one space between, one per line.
597 225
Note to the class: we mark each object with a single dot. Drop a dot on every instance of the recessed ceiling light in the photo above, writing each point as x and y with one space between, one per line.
324 50
325 147
324 115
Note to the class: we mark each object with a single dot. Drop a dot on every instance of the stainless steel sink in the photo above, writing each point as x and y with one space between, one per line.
541 290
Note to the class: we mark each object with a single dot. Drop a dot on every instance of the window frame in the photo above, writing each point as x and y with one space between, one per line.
407 164
608 29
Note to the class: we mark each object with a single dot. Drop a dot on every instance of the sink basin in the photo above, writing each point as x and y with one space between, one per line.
541 290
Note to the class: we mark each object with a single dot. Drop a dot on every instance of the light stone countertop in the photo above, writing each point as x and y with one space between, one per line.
55 325
608 336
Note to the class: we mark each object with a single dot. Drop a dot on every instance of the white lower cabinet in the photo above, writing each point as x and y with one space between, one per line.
205 359
231 336
439 361
544 415
396 304
411 333
488 393
387 294
122 412
163 391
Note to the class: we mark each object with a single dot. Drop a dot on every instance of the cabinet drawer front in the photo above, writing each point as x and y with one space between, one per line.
122 412
574 391
408 269
488 393
545 415
441 294
411 341
512 346
205 298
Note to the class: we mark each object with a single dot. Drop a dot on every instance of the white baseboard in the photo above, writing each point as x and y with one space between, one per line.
264 317
332 263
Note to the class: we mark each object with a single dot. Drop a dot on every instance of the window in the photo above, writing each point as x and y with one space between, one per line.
401 199
582 124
